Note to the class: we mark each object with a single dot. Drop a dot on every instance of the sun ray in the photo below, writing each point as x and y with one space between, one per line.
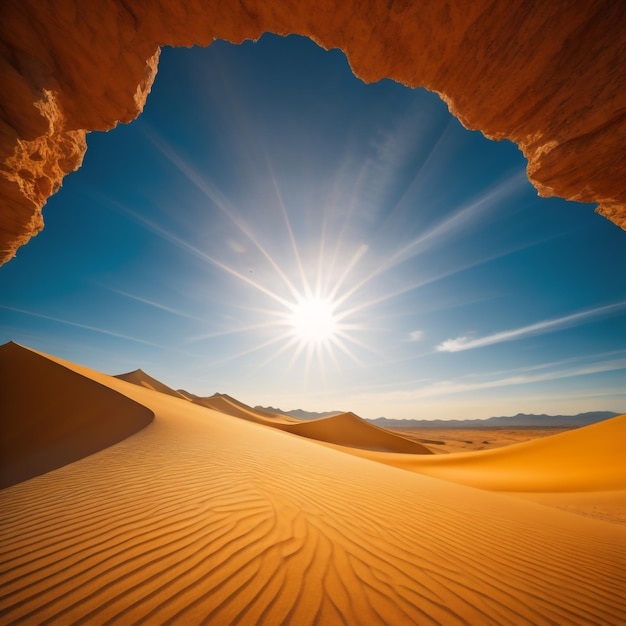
423 168
286 346
296 355
352 207
362 344
218 200
321 364
310 351
428 281
234 331
292 239
205 257
102 331
156 305
461 218
261 346
320 260
330 350
356 257
339 343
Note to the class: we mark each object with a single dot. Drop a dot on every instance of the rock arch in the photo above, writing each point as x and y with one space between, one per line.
550 76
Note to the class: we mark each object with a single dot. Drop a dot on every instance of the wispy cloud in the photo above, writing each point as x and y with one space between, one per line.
416 335
443 388
539 328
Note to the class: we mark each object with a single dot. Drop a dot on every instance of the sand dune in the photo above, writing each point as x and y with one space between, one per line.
344 429
347 429
51 416
229 406
223 521
139 377
585 459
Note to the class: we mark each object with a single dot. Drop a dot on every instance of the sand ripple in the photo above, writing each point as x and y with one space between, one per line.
203 518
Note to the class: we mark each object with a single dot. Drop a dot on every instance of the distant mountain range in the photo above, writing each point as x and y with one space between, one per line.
521 420
298 413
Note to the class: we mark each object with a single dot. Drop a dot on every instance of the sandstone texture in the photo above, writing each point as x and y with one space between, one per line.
550 76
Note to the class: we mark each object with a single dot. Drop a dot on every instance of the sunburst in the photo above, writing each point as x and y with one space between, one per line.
313 320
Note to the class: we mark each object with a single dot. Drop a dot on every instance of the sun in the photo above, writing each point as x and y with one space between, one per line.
313 321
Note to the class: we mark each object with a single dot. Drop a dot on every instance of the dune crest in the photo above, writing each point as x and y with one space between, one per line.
590 458
347 429
51 416
224 403
139 377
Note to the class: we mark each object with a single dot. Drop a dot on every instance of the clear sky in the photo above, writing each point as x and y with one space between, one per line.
273 228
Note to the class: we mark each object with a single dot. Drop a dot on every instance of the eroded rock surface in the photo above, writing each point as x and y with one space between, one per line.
550 76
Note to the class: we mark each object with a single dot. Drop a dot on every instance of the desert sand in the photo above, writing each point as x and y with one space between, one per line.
446 440
203 517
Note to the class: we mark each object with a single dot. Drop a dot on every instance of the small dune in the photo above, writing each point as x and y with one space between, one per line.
347 429
225 404
139 377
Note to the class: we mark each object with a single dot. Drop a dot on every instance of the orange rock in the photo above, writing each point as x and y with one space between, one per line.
549 76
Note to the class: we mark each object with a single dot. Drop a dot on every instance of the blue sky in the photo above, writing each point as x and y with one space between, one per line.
264 181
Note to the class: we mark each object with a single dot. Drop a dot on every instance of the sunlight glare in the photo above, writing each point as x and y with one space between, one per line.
313 321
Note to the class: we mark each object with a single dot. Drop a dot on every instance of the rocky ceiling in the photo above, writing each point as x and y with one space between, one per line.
550 76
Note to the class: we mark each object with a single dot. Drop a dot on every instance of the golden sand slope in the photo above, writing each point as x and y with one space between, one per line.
51 416
203 518
139 377
347 429
591 458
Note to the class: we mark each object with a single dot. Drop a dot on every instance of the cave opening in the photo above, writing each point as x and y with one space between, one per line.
264 175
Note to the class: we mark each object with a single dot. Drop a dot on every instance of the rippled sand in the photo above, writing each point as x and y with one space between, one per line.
202 517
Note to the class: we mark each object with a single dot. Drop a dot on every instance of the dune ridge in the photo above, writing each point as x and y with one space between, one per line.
139 377
204 518
347 429
51 416
223 403
590 458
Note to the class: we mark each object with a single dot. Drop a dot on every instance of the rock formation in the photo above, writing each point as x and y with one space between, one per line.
550 76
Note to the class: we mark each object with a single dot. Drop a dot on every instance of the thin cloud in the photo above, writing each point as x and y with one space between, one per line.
539 328
416 335
443 388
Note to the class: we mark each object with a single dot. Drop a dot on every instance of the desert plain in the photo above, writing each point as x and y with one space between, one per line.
125 502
